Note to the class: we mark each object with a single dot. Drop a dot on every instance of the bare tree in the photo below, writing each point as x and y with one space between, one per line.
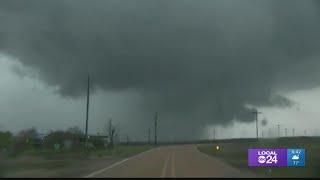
112 133
75 130
117 136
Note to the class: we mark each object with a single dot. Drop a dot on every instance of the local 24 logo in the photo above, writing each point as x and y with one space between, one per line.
267 157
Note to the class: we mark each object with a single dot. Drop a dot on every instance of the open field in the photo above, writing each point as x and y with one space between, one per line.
235 154
122 151
50 163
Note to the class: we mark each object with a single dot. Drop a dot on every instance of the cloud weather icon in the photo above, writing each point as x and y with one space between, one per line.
295 157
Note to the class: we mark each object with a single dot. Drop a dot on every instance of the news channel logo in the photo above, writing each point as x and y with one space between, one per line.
276 157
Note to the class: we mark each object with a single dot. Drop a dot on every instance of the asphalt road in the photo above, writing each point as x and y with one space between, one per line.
170 161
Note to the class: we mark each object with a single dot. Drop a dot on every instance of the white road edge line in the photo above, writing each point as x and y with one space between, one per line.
116 164
173 169
164 170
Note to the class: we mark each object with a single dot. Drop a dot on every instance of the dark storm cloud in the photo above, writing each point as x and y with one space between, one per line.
199 62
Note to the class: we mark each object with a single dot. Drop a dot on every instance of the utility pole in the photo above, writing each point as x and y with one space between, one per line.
155 127
278 130
87 113
127 139
269 133
293 132
149 133
214 133
286 131
305 132
256 114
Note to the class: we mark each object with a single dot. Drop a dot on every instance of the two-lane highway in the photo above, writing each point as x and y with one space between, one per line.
170 161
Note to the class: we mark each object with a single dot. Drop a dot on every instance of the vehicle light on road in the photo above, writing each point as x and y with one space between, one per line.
217 148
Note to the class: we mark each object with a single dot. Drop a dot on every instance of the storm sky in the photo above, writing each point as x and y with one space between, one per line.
199 63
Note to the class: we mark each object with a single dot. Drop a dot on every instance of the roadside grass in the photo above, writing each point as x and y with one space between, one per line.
235 154
22 166
122 151
119 151
50 159
49 154
2 171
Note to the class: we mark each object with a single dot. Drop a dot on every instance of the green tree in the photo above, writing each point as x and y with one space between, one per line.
56 137
6 140
24 140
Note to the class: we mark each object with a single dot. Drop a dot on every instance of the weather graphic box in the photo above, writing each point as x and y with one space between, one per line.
296 157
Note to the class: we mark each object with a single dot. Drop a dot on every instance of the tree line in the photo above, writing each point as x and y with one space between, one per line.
72 138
